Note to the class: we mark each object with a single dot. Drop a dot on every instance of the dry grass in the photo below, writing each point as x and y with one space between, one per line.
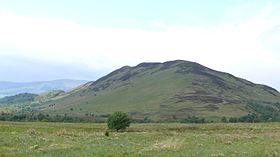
169 144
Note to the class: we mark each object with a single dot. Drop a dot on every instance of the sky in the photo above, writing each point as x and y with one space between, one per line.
86 39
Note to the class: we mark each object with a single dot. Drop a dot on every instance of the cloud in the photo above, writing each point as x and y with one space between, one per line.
221 47
22 69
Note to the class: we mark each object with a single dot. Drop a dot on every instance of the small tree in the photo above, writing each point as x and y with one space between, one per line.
41 116
233 120
118 121
224 120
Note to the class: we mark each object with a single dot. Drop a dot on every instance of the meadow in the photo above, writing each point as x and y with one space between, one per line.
28 139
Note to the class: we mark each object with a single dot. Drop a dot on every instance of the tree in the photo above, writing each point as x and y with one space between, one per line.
41 116
118 121
233 120
224 120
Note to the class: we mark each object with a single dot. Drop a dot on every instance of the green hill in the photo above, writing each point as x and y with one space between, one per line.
19 99
174 89
25 100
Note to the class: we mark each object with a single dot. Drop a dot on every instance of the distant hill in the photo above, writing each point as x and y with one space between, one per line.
22 99
27 100
13 88
174 89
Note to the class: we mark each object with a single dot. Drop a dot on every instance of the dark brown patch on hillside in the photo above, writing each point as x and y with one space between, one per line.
270 90
201 98
128 75
147 65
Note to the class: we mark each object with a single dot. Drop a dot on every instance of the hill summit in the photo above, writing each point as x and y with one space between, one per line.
173 89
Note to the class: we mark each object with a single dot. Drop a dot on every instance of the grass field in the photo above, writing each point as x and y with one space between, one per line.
203 140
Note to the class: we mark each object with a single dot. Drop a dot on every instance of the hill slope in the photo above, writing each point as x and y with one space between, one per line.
174 89
12 88
46 96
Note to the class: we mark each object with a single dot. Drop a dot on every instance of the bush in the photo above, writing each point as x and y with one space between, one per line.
118 121
106 133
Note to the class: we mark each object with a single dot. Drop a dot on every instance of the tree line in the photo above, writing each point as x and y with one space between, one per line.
260 113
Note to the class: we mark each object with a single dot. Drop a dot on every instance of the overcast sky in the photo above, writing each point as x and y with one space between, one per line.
85 39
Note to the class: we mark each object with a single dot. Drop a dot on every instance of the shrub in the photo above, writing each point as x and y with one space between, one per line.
118 121
106 133
194 119
32 132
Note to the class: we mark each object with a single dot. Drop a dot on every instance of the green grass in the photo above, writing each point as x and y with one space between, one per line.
207 140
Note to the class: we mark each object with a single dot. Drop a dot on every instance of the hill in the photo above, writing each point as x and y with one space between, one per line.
47 96
13 88
174 89
19 99
26 102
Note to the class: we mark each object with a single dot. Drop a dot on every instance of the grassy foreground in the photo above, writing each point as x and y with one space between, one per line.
203 140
